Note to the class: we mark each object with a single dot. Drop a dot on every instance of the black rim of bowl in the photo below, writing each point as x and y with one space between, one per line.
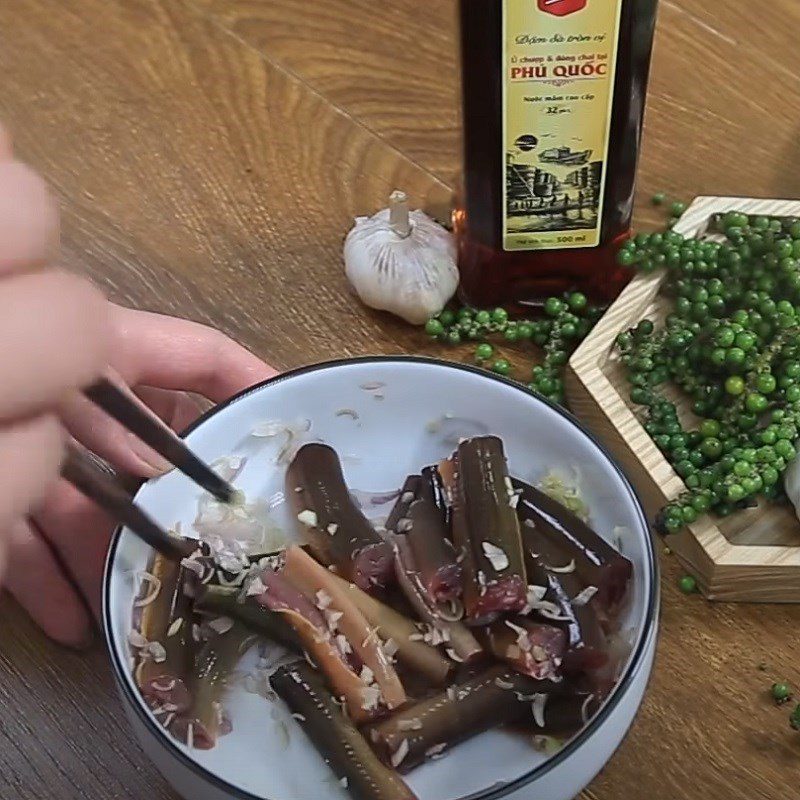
492 793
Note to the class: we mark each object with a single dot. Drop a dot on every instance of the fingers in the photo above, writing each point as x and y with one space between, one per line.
54 337
35 578
28 216
176 409
79 533
161 353
103 435
30 458
171 353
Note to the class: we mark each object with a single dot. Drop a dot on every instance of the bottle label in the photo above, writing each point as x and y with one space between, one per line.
559 62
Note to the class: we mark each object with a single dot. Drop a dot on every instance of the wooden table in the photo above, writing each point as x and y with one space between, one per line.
210 154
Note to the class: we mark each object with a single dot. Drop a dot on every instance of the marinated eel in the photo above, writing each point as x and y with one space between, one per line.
560 585
485 528
495 697
331 653
597 563
392 626
535 649
455 634
420 514
167 621
408 494
205 720
427 486
332 523
335 737
568 713
316 582
223 601
439 569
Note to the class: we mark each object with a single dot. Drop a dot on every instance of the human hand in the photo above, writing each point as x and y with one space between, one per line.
54 338
58 334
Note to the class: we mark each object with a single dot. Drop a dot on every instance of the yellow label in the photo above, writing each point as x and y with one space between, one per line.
559 60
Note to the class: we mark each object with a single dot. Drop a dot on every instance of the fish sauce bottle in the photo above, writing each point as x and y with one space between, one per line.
553 95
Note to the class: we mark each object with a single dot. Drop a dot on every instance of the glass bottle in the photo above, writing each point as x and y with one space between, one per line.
553 95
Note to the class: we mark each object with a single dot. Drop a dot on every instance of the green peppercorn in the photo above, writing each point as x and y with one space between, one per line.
501 366
735 357
483 352
711 448
687 584
659 198
752 484
553 306
546 384
662 441
499 315
785 449
556 358
568 330
709 428
765 383
769 476
433 327
645 327
734 385
624 340
577 302
781 692
792 370
735 493
626 258
756 403
673 524
677 208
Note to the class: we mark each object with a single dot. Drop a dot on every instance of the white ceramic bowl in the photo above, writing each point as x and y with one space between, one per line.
410 412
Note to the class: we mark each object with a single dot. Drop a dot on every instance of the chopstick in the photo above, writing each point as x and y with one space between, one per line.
123 408
89 478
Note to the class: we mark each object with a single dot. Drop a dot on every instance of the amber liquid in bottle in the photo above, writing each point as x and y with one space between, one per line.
495 195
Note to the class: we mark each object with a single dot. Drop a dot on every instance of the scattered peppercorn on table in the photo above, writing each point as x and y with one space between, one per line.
210 156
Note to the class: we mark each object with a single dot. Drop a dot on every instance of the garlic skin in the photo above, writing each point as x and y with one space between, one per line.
401 261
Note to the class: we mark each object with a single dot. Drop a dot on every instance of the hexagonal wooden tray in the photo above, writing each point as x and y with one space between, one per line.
753 555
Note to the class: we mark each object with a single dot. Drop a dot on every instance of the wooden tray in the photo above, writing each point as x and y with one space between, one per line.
753 555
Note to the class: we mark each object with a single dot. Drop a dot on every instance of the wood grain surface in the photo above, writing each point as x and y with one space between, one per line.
209 155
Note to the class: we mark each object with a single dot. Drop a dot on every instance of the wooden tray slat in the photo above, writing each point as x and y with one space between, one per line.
753 555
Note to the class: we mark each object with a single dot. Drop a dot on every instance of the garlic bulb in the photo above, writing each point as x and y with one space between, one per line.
791 484
401 261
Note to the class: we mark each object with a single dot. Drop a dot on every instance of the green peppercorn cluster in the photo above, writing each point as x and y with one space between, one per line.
731 344
565 322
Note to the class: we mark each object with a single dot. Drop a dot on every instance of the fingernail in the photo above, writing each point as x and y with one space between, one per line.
152 464
156 464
